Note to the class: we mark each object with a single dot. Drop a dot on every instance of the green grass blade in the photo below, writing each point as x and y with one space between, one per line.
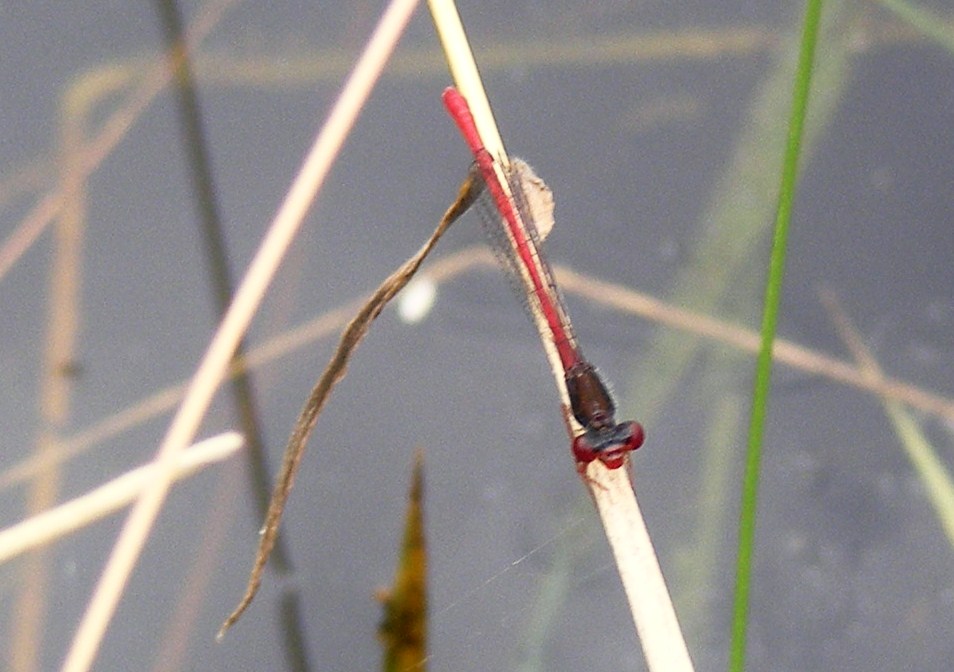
719 277
773 293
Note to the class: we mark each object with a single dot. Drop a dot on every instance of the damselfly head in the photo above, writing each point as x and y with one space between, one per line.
609 445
